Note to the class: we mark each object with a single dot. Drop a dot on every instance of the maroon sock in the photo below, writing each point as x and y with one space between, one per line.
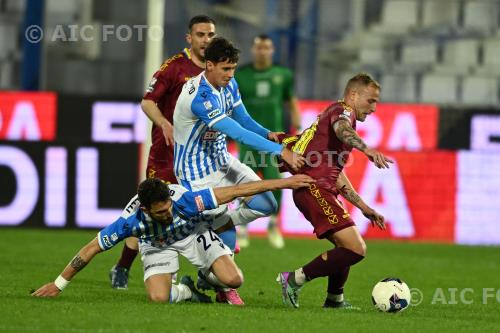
127 258
335 262
336 282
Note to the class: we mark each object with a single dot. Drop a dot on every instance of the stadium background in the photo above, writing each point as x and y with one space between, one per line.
71 127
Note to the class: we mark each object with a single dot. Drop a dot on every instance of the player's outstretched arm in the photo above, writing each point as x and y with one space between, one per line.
150 108
234 130
83 257
348 135
346 189
229 193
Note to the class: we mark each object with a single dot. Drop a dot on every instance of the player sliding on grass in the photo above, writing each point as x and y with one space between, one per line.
209 109
328 143
168 221
159 103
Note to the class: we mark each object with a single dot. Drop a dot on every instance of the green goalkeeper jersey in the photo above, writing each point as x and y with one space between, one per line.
264 92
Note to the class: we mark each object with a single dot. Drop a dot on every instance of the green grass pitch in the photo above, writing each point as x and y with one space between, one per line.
30 258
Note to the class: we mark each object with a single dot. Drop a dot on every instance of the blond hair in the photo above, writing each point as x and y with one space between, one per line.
360 80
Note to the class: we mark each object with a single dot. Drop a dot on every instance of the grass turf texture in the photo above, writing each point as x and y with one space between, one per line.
30 258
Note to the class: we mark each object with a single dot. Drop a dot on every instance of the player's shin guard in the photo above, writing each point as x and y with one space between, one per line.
229 238
213 280
259 205
179 293
336 285
333 262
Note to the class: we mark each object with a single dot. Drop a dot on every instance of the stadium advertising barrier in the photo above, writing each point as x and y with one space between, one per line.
430 193
66 161
73 162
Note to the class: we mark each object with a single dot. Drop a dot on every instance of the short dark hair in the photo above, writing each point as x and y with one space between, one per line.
263 37
360 79
221 50
152 190
200 19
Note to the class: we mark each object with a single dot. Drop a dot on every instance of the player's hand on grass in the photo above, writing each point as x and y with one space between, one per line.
168 132
273 136
47 290
380 160
375 218
295 161
298 181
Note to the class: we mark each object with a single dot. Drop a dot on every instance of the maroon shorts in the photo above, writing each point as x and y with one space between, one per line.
321 207
160 170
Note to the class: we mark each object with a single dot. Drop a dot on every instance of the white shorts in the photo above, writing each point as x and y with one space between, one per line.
201 249
233 173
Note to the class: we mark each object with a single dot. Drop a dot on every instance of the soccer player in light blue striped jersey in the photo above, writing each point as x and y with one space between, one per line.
208 109
168 220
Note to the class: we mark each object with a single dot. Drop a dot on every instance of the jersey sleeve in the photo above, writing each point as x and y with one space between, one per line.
160 83
240 114
235 92
192 204
344 114
121 228
115 232
288 88
206 106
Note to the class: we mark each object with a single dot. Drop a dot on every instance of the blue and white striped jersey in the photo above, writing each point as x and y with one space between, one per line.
200 150
187 215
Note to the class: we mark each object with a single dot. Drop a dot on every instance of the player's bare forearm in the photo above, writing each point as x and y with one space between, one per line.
295 113
81 259
348 135
347 191
229 193
151 110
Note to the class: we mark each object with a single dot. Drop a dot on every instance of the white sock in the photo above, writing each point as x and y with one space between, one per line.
244 215
273 222
336 298
300 277
179 292
213 280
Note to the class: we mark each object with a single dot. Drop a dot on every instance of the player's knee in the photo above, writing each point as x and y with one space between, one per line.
264 203
359 248
159 297
235 280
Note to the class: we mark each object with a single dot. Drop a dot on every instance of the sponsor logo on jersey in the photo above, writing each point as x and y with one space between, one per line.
199 203
346 115
114 237
214 113
207 105
130 208
210 136
277 79
151 85
105 240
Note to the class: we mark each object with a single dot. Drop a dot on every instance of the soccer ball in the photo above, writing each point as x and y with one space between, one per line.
391 295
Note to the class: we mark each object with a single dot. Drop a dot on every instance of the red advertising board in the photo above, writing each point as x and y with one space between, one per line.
28 116
416 194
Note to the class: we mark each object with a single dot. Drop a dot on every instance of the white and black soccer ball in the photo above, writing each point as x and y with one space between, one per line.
391 295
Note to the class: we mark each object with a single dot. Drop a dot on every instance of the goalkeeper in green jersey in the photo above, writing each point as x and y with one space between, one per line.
267 90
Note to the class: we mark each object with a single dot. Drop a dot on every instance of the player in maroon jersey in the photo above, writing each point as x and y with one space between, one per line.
159 103
326 146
